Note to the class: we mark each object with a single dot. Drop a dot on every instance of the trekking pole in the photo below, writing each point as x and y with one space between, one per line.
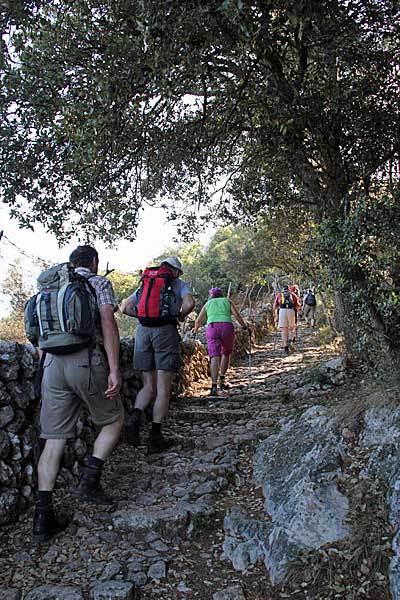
276 333
250 357
191 360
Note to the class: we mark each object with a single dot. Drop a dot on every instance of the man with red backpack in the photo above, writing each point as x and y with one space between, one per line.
161 300
285 305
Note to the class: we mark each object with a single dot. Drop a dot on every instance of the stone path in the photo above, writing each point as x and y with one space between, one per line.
164 538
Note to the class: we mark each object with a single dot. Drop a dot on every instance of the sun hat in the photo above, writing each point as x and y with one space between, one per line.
173 261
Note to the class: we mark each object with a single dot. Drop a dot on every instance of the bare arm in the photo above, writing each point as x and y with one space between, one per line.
201 318
110 334
187 307
128 306
237 315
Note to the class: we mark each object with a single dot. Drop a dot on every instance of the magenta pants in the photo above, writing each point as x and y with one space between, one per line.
220 339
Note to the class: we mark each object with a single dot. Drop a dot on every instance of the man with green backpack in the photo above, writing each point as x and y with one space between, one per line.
72 322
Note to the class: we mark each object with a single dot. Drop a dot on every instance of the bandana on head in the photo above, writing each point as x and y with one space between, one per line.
215 292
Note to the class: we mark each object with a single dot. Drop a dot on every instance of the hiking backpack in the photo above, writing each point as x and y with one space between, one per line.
286 300
60 318
156 301
310 299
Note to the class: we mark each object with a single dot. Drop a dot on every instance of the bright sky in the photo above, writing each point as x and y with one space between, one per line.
154 234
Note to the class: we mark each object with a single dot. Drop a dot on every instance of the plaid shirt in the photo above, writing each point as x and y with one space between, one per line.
103 289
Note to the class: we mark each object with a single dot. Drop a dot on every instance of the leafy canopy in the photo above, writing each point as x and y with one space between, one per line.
106 105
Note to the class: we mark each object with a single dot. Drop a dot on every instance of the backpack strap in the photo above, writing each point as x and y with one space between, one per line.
37 386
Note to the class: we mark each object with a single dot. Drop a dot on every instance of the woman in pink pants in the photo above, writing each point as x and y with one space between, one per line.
218 312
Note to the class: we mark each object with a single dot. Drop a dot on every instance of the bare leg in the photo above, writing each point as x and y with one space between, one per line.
214 369
107 439
225 361
161 405
148 391
49 464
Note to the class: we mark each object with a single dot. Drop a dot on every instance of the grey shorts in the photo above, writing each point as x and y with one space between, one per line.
157 348
65 387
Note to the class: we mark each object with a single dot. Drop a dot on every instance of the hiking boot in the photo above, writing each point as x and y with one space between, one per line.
46 524
286 350
132 430
222 385
214 390
89 488
158 444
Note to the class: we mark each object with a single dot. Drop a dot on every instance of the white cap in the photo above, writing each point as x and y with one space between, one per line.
173 261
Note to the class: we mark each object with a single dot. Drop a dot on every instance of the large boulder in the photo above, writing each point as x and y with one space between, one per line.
382 435
297 470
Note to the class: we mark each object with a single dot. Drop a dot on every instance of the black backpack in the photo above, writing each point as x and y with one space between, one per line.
310 299
286 300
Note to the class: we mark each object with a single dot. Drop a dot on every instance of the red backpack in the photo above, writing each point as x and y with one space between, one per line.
155 297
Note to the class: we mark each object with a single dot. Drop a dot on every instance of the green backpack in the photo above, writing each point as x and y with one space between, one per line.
60 319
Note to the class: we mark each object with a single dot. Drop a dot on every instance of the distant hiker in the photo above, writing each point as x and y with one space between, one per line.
220 333
296 291
161 300
81 366
309 306
285 305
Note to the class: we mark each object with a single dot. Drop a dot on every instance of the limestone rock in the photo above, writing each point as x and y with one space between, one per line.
9 593
297 469
112 590
233 592
54 592
246 539
4 395
9 506
382 426
6 415
19 394
6 474
8 361
157 571
4 444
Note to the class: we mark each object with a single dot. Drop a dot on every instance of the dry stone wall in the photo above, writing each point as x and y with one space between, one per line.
19 411
20 444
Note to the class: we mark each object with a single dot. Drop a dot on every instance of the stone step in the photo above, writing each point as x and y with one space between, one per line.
194 416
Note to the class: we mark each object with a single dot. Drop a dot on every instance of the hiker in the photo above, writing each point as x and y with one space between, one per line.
285 305
309 306
294 289
161 300
220 333
79 376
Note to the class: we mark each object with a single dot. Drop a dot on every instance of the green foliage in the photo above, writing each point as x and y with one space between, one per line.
240 256
18 292
361 255
290 108
124 284
104 107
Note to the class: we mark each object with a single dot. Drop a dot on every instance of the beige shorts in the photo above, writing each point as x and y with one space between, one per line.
286 318
67 383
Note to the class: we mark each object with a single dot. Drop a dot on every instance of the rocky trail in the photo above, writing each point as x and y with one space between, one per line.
168 535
